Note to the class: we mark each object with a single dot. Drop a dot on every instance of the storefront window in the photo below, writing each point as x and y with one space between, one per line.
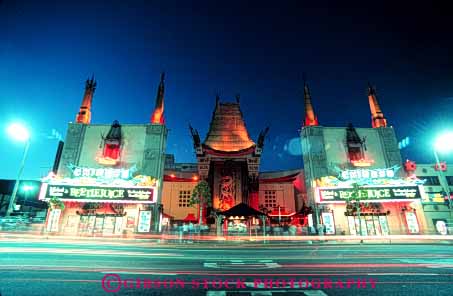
377 226
351 223
118 225
371 225
105 225
384 225
109 225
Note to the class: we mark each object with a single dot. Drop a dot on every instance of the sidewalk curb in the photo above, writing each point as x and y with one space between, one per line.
213 240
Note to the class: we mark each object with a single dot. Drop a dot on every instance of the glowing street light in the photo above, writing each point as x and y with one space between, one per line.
27 188
443 144
19 133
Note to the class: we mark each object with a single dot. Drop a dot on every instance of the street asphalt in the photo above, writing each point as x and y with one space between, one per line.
99 267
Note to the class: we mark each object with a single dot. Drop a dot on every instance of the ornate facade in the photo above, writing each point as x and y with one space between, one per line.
228 159
110 176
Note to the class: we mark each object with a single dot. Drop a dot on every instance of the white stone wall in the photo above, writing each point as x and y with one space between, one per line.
143 146
336 149
133 147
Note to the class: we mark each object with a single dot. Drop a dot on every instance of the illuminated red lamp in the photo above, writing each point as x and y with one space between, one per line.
111 151
112 145
195 178
410 166
172 176
441 166
362 162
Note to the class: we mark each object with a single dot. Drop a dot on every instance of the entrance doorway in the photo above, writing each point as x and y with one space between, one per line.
371 225
100 225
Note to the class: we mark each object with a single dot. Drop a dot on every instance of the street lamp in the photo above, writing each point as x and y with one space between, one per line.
444 144
20 133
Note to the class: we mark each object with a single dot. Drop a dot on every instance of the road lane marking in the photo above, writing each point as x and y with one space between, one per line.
216 293
83 252
315 293
39 268
404 273
301 285
265 293
356 265
210 265
242 264
143 272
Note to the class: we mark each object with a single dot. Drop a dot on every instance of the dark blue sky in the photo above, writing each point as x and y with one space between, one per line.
49 48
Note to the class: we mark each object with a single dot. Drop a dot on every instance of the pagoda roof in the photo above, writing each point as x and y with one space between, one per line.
227 131
242 209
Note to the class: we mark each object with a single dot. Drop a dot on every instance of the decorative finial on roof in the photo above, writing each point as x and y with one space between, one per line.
377 116
84 115
90 84
310 117
262 137
195 136
371 89
158 114
238 98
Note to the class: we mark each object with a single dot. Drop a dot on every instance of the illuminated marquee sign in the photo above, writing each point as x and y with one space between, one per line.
98 193
384 193
85 172
368 174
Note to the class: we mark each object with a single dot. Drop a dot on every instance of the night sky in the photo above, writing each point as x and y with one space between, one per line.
48 49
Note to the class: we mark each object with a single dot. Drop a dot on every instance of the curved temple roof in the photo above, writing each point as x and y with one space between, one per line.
227 131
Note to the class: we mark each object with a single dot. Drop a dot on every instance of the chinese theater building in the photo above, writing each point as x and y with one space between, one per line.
229 161
110 177
355 177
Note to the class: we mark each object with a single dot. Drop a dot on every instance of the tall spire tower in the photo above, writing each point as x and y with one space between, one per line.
377 117
310 117
158 114
84 115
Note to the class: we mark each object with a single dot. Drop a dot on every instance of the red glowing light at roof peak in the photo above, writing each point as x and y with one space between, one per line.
362 162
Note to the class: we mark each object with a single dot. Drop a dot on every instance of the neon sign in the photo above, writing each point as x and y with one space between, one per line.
97 193
368 174
381 193
86 172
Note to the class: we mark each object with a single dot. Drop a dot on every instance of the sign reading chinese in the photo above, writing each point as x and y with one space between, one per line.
368 174
381 193
106 173
98 193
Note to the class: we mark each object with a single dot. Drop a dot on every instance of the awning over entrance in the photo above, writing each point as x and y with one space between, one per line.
281 212
165 215
242 210
190 218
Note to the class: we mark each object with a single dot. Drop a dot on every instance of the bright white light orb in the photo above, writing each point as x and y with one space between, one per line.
444 143
18 132
28 188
